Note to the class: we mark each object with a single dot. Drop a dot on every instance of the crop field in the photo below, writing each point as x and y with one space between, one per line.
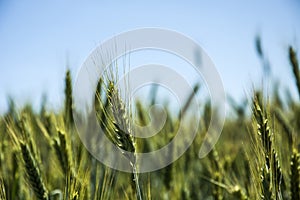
256 157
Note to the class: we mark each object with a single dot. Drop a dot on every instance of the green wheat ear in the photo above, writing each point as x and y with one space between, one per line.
271 173
33 173
68 113
121 132
295 67
263 130
63 153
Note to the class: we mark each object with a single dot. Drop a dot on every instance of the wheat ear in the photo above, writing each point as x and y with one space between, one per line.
33 173
122 135
295 67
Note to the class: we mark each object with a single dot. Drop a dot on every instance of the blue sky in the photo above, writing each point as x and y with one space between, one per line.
37 39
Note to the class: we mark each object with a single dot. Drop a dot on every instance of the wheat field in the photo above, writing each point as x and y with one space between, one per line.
256 157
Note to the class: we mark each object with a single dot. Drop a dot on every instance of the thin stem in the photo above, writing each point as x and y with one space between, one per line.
136 181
